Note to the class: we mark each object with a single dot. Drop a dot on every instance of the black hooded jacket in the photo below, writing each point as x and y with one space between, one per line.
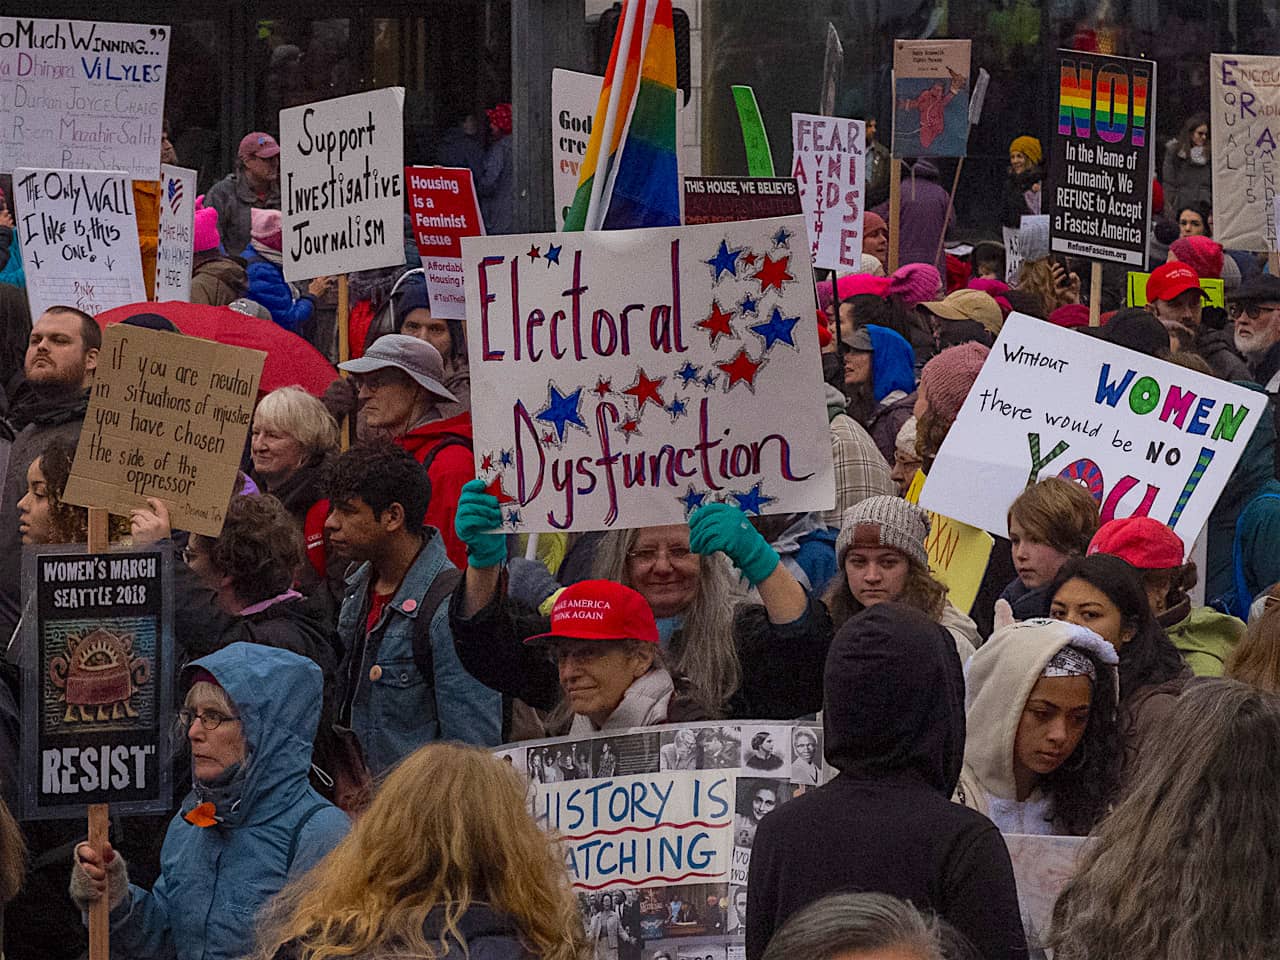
894 727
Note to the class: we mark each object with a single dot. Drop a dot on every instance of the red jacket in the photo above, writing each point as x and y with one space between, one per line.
452 467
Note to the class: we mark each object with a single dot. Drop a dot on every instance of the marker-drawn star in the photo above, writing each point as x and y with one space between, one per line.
749 305
782 237
602 388
629 428
552 255
688 373
709 381
718 323
562 410
777 329
774 273
742 369
533 253
725 261
677 408
486 464
513 518
753 501
750 259
645 390
505 458
494 489
549 438
691 500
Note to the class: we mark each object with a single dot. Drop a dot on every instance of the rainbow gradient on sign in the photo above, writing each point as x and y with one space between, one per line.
1108 104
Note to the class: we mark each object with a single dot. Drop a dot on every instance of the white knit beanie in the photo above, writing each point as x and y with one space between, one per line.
884 522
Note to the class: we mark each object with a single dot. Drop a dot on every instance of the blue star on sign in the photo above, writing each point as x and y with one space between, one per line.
725 261
505 458
513 518
677 408
562 410
688 373
778 329
552 255
691 500
709 381
753 501
781 237
749 305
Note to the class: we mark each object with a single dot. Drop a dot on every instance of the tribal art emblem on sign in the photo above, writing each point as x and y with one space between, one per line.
99 676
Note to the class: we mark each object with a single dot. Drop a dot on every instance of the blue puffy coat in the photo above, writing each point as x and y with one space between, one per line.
214 880
268 287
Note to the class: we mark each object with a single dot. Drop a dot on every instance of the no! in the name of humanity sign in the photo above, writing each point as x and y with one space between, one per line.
624 378
342 184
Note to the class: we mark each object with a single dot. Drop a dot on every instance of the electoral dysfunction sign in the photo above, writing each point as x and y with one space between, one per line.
725 199
442 210
829 164
79 234
342 184
174 252
1102 158
1244 104
96 664
82 95
657 824
623 378
931 98
167 418
1145 437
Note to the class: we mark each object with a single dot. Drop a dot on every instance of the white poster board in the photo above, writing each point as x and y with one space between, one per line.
342 184
177 232
1145 437
79 235
1030 241
82 95
1244 100
829 164
573 104
621 378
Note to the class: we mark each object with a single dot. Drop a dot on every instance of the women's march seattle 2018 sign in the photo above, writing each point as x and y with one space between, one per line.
624 378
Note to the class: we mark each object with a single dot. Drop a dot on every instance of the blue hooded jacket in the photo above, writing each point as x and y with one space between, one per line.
893 363
214 880
268 287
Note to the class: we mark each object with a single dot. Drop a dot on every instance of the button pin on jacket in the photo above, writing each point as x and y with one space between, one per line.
375 673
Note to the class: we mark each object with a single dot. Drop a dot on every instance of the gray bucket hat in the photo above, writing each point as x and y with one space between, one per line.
417 358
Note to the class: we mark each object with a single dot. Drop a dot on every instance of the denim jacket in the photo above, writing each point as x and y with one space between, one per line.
390 705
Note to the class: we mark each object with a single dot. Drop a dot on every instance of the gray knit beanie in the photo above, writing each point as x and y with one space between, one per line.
884 522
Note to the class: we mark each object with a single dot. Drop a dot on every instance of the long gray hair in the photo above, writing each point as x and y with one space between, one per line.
847 922
704 650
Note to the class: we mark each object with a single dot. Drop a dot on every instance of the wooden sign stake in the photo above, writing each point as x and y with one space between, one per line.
1095 293
99 813
344 346
895 210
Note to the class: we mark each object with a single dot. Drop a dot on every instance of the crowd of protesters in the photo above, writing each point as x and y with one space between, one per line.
357 635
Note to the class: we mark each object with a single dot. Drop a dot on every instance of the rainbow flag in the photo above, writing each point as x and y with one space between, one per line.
629 176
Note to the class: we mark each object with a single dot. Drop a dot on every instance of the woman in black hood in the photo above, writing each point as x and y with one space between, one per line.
894 723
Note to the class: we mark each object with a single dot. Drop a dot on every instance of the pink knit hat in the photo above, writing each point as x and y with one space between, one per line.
947 378
206 228
996 289
854 284
265 228
914 283
1070 315
1201 254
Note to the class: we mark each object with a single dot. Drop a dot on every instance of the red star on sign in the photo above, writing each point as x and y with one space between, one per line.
549 438
645 390
742 368
533 253
494 489
603 388
487 463
718 323
750 259
773 273
630 426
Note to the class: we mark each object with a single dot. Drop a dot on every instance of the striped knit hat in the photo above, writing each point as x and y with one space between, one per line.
884 522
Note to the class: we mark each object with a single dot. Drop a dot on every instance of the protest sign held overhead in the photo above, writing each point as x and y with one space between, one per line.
1244 102
167 418
931 98
342 184
97 710
668 817
177 225
1102 157
1144 437
829 164
958 553
725 199
79 234
622 378
82 95
442 210
573 102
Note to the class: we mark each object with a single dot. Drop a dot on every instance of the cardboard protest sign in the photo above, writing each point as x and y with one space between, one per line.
342 184
930 98
79 234
958 553
1145 437
1244 101
96 675
573 104
661 821
726 199
1102 158
622 378
174 252
82 95
167 418
1042 865
1136 296
829 164
443 209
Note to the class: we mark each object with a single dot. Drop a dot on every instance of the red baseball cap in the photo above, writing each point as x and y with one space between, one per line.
1171 280
257 144
600 610
1144 543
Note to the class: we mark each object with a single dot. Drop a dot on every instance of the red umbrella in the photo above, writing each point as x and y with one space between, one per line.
290 359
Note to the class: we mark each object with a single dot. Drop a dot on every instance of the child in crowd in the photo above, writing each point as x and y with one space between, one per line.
1050 522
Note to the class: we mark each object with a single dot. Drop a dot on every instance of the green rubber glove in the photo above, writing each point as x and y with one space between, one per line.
719 526
478 513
